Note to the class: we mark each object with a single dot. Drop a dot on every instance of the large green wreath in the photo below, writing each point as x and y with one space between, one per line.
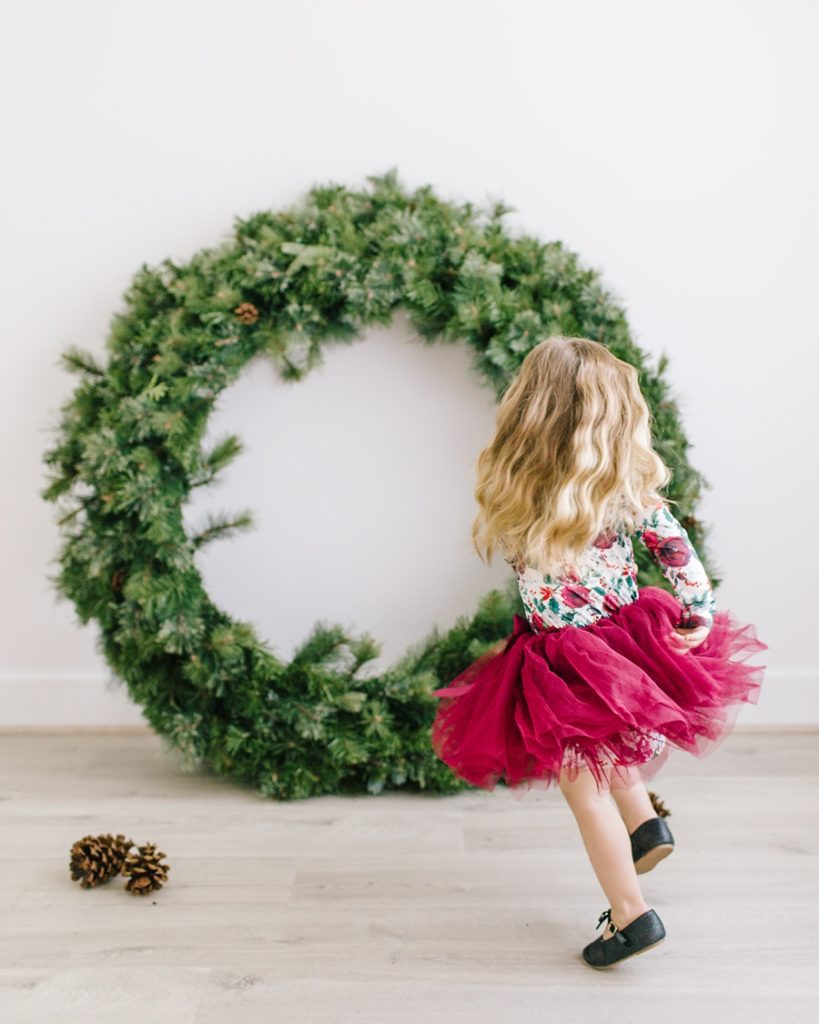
129 451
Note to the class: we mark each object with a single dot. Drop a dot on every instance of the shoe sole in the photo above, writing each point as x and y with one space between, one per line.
605 967
652 858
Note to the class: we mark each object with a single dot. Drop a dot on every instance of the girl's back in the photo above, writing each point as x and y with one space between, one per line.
609 577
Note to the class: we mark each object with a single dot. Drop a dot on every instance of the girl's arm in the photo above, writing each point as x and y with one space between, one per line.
670 547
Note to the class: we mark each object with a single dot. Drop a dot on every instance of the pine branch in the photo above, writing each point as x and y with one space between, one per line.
219 527
77 360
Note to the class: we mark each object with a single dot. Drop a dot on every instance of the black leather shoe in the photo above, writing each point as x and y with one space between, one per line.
644 932
651 842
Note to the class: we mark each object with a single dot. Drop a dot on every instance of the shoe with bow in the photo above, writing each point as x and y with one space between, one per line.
643 933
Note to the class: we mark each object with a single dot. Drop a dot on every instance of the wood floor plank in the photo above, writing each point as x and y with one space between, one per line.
397 908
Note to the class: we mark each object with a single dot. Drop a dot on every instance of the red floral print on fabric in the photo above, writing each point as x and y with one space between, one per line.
609 579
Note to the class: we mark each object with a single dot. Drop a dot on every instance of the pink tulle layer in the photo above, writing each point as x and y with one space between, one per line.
614 696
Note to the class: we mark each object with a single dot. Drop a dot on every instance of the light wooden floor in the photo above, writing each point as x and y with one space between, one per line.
399 908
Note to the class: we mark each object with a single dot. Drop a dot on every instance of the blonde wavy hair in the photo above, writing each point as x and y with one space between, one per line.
571 457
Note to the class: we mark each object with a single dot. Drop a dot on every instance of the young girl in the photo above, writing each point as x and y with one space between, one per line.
593 689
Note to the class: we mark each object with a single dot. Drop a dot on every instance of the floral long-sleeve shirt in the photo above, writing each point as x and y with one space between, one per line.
611 577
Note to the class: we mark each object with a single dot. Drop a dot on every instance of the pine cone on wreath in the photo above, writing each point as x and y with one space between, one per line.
145 870
246 312
660 808
95 859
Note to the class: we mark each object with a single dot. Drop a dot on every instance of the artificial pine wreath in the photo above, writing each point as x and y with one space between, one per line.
129 451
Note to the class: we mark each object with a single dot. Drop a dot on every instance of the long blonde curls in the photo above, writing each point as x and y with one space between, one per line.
571 457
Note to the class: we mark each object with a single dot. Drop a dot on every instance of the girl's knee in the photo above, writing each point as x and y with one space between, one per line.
581 788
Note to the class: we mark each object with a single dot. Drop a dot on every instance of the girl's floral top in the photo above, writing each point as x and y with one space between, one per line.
609 579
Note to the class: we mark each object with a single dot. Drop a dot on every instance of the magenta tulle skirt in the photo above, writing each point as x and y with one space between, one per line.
613 697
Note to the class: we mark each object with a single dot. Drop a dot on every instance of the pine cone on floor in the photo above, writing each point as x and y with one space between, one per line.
95 859
145 870
659 807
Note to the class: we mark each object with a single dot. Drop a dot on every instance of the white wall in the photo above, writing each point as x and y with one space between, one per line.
673 148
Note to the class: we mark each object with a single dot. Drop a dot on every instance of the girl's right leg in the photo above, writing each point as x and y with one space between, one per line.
634 805
607 844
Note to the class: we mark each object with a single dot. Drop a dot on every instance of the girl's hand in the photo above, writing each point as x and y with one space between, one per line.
685 639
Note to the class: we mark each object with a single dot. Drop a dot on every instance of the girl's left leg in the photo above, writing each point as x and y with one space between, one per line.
607 844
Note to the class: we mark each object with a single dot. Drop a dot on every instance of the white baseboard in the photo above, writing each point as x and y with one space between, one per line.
65 698
93 699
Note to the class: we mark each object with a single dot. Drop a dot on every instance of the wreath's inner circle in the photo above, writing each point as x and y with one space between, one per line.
359 481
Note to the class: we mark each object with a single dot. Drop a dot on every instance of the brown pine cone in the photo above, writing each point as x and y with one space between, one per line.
246 312
659 807
145 870
95 859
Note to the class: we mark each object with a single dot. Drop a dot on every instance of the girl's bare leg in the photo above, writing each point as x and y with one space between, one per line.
634 805
608 846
